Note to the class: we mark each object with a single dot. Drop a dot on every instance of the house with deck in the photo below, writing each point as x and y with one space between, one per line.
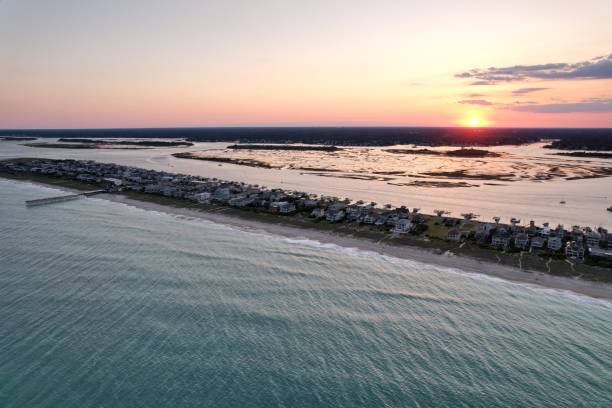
555 243
454 235
403 226
574 250
538 242
521 240
592 238
335 215
501 238
318 213
282 207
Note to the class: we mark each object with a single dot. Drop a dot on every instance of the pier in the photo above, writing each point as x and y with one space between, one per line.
59 199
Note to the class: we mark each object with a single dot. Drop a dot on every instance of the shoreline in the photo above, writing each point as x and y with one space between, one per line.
465 264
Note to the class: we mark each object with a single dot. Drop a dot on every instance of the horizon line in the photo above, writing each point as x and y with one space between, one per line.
44 129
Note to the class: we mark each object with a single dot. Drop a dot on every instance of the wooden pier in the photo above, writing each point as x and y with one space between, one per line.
59 199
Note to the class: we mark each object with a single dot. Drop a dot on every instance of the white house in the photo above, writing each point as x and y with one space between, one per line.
592 238
203 198
574 250
521 240
501 238
335 216
555 243
403 226
318 213
538 242
283 207
454 235
369 219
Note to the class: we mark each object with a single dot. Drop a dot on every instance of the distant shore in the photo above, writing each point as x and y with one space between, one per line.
75 143
280 226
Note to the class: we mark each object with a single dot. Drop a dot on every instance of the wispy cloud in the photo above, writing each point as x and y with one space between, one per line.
596 68
483 83
587 105
481 102
524 102
522 91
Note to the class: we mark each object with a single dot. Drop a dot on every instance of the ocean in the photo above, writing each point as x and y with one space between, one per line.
107 305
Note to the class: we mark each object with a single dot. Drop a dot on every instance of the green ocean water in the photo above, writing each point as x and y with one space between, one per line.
106 305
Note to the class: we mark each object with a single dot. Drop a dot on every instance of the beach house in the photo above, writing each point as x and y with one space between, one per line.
369 218
538 242
335 215
592 238
521 240
454 235
403 226
555 243
282 207
574 250
318 213
501 238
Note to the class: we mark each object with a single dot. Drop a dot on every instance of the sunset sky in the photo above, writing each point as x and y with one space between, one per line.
130 63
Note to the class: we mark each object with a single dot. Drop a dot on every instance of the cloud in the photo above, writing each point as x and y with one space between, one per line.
524 102
483 83
587 105
522 91
596 68
480 102
474 95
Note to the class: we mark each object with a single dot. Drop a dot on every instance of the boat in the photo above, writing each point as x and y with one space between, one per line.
609 208
562 202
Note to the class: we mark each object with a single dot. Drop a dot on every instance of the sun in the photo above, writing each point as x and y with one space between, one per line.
474 120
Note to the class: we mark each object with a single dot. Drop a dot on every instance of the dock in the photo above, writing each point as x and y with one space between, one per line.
59 199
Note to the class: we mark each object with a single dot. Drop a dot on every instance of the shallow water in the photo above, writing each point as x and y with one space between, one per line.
586 200
109 305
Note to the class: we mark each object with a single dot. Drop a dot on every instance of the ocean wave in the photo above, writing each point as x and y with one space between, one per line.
351 251
412 265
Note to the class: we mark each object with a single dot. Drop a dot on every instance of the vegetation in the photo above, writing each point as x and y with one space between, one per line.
588 139
598 155
241 162
16 138
61 145
282 147
452 153
151 143
598 261
593 139
464 175
419 229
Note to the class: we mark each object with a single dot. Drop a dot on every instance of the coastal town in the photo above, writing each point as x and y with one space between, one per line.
576 244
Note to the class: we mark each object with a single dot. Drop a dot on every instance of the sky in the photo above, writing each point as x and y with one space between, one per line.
137 63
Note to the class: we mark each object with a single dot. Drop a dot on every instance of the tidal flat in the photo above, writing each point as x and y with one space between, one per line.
400 164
